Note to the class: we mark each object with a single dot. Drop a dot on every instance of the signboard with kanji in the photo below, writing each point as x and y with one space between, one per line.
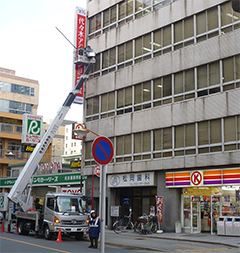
159 203
49 179
32 128
80 42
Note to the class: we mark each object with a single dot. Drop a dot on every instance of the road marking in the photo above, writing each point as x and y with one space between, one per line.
32 244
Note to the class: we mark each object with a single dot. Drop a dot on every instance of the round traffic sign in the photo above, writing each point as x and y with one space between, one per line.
102 150
97 170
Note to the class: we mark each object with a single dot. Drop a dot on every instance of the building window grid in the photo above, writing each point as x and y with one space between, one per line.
100 29
194 92
167 48
164 152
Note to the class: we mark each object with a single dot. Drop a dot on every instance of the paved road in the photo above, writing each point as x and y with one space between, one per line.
15 243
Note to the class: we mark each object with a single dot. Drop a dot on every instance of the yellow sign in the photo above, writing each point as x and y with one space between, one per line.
76 164
199 191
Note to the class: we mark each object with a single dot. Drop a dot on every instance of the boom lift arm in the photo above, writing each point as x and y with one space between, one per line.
17 192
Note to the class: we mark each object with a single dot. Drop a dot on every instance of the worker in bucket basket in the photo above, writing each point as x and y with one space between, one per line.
94 229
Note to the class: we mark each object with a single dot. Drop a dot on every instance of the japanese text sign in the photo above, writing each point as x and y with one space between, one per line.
159 202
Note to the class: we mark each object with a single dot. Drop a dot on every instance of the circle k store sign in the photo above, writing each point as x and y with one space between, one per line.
196 178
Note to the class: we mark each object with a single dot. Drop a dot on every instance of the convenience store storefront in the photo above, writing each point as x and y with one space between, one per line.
206 195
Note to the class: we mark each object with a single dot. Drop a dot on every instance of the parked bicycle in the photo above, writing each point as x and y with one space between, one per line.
119 225
147 224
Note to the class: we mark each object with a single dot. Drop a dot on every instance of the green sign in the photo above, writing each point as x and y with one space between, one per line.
50 179
2 201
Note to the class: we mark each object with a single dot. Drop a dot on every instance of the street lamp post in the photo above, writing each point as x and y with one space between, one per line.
100 145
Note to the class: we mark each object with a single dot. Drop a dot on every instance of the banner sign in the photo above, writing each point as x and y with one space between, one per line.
159 202
131 179
32 128
50 179
80 42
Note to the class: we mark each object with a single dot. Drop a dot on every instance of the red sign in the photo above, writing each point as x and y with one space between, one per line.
195 199
159 202
97 170
196 178
215 199
102 150
80 41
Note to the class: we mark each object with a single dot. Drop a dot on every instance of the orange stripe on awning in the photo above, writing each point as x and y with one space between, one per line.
212 172
183 174
169 174
234 171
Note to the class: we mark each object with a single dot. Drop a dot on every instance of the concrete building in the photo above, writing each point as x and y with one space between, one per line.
18 95
165 90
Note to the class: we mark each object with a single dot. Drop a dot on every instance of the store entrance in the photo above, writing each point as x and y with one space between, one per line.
201 213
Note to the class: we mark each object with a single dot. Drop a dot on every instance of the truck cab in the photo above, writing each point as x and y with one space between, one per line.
67 211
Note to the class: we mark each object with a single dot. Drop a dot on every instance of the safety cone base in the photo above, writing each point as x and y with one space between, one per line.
2 229
59 238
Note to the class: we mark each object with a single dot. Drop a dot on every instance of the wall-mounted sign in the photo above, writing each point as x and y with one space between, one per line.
199 191
216 177
32 128
75 164
27 148
74 190
49 166
50 179
131 179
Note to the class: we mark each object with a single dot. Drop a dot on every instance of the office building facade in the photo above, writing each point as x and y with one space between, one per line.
165 90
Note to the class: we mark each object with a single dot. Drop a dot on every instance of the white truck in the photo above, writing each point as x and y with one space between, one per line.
65 211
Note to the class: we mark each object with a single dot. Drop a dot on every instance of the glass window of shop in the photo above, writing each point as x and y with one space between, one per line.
226 203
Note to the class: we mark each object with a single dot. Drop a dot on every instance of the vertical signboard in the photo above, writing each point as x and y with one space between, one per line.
159 202
80 29
3 201
32 128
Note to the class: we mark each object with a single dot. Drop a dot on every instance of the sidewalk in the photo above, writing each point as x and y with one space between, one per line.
149 242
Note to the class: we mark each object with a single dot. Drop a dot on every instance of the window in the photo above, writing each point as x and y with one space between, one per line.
50 203
229 129
95 23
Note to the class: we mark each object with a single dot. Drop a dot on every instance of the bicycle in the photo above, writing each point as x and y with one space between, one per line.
148 224
118 226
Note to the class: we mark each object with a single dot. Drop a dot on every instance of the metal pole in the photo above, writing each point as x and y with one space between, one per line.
103 208
92 187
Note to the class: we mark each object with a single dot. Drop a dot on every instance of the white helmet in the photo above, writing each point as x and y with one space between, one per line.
92 211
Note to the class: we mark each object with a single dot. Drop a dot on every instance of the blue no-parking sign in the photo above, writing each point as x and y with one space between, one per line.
102 150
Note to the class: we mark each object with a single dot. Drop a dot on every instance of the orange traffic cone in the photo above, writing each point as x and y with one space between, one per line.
16 230
59 238
3 230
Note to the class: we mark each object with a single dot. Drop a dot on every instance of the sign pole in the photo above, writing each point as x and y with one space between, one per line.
103 208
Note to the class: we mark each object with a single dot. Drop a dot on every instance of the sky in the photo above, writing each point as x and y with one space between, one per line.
31 45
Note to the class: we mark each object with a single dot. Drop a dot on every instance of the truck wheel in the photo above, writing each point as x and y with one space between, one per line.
79 236
21 229
47 234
